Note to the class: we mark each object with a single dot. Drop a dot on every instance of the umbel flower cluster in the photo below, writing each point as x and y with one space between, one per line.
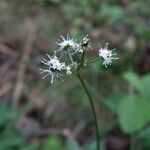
69 58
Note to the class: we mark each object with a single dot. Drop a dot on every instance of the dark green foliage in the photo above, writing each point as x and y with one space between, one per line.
9 136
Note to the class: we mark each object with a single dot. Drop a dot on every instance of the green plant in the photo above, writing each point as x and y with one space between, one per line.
76 61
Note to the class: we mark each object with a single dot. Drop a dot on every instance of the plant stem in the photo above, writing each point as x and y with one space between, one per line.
93 110
82 61
93 61
70 57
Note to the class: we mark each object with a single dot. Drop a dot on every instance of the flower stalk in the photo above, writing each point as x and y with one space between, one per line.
93 110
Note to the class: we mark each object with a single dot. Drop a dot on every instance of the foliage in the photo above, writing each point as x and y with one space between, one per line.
52 143
84 14
9 137
133 113
133 109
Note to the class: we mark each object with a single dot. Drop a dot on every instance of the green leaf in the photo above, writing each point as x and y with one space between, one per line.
71 144
52 143
7 114
141 84
145 82
29 147
133 114
113 101
9 138
133 79
92 146
144 137
114 14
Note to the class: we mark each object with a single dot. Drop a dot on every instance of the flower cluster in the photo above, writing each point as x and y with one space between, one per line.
56 68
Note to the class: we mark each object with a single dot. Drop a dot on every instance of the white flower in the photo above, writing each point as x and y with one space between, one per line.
86 42
67 42
68 70
107 55
54 67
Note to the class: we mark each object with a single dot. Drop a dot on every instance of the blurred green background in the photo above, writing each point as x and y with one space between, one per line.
36 115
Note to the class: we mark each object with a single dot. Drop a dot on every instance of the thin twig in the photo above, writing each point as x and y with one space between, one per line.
7 51
31 34
5 88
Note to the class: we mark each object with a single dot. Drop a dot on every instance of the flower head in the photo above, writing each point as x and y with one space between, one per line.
85 43
107 55
54 67
67 43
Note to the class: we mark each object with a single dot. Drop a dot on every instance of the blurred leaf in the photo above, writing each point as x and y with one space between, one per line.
9 138
144 137
52 143
114 14
140 7
133 79
140 83
71 144
145 83
113 101
29 147
133 114
7 113
92 146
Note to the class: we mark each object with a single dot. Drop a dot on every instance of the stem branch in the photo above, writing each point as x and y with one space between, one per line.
93 61
70 57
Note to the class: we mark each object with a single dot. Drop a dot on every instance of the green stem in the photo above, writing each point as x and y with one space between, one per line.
93 61
93 109
70 57
81 61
